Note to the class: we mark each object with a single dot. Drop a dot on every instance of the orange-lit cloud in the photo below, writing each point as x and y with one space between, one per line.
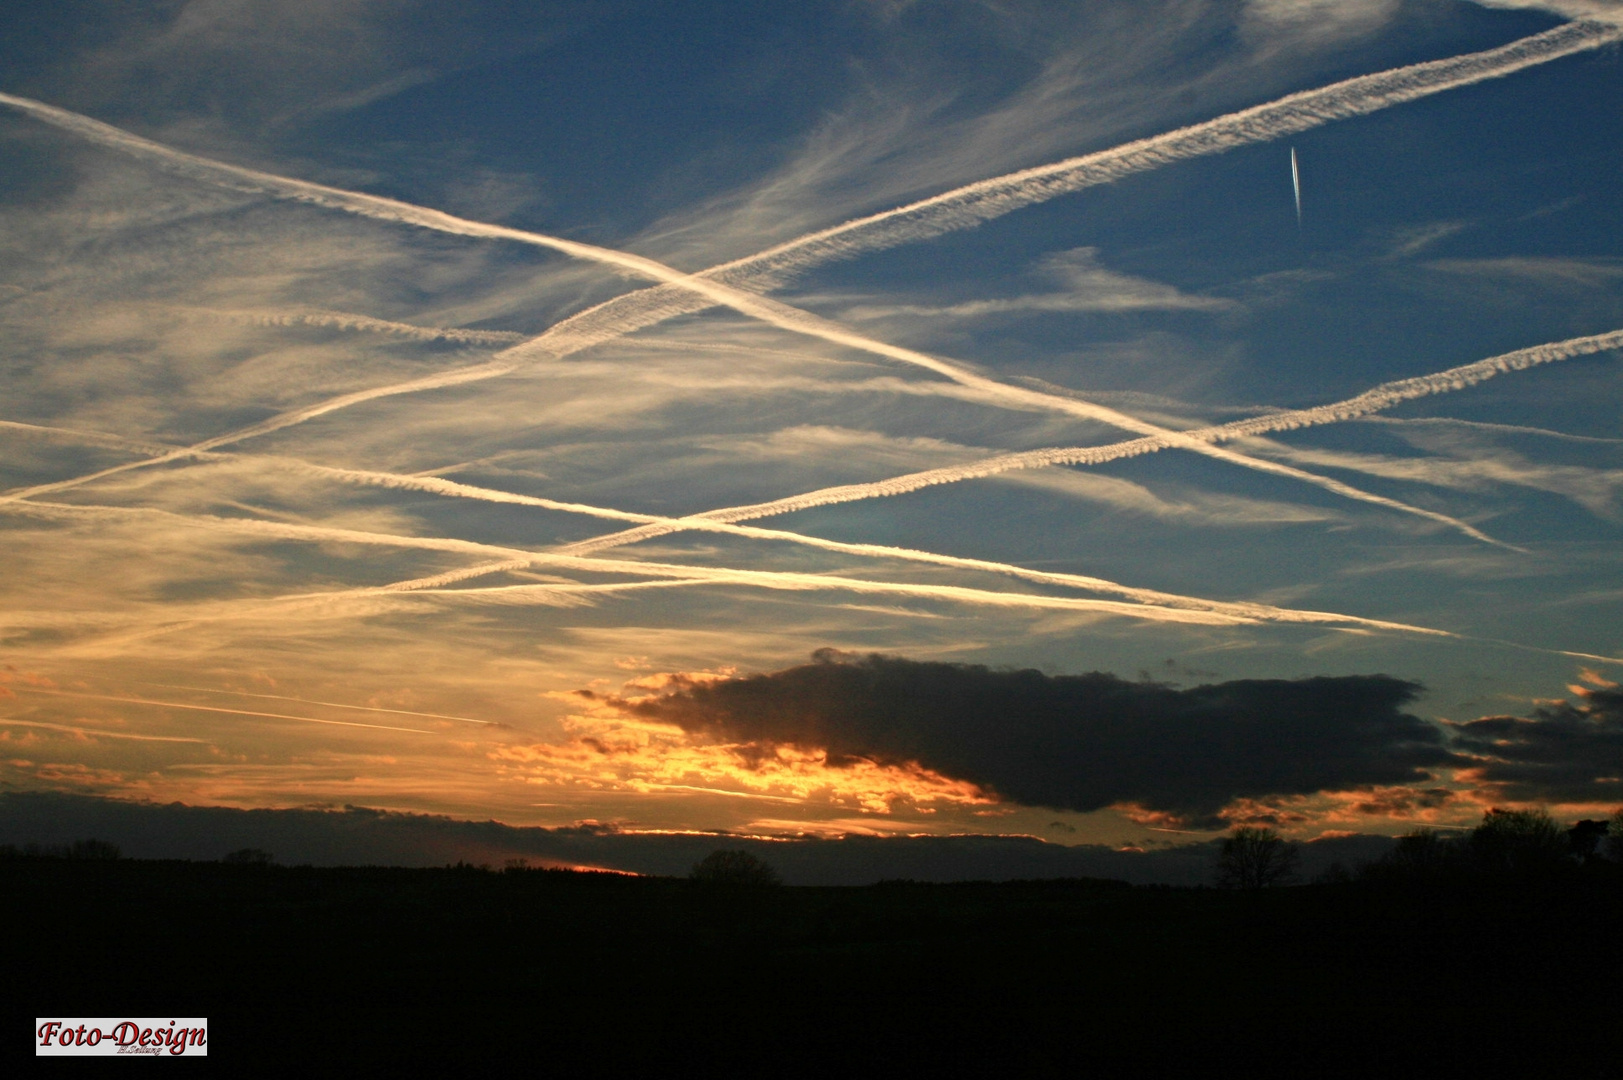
611 749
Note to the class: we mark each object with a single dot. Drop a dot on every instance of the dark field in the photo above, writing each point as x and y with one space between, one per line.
566 974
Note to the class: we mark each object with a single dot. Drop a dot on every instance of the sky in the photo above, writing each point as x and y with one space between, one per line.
1105 423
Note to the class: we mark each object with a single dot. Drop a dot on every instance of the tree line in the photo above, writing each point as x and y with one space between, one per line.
1505 844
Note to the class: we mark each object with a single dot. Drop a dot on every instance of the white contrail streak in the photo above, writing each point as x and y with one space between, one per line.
789 582
1374 400
101 732
343 320
435 485
1296 187
328 704
238 178
710 285
217 709
275 423
93 438
1210 613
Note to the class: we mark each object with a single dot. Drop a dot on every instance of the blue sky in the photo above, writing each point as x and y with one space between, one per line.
405 580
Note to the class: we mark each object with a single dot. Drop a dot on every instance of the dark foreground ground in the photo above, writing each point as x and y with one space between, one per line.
303 970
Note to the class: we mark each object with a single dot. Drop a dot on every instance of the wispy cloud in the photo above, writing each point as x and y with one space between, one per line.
1089 287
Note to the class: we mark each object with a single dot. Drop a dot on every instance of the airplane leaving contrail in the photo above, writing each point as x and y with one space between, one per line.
1296 187
760 307
960 208
975 203
1373 400
983 200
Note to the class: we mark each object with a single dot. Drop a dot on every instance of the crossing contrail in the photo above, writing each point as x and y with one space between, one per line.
1174 609
791 318
986 199
975 203
454 489
435 485
964 206
1373 400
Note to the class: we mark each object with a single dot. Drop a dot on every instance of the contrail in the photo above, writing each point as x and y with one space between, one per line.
1296 187
435 485
329 704
960 208
343 320
748 303
520 593
275 423
982 201
100 732
253 181
790 582
1209 613
94 438
791 318
218 709
1374 400
973 204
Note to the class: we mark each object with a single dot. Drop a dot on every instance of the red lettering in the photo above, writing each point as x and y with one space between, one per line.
124 1034
94 1037
79 1036
46 1031
146 1036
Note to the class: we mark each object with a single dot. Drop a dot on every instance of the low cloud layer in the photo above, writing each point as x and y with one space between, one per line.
355 836
1562 753
1078 742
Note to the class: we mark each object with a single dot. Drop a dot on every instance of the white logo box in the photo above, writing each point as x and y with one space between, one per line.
120 1036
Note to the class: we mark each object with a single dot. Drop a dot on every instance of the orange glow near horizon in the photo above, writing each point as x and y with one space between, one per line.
610 749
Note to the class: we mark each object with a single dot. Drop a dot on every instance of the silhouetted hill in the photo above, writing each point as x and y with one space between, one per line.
583 973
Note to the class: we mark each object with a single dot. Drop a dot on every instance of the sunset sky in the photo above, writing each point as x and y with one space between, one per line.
358 356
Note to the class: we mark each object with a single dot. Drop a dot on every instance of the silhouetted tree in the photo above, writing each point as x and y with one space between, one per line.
1517 842
1585 837
733 868
248 856
92 849
1614 836
1253 858
1422 854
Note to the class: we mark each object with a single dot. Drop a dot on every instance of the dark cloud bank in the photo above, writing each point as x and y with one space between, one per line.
360 837
1562 753
1079 742
1084 742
